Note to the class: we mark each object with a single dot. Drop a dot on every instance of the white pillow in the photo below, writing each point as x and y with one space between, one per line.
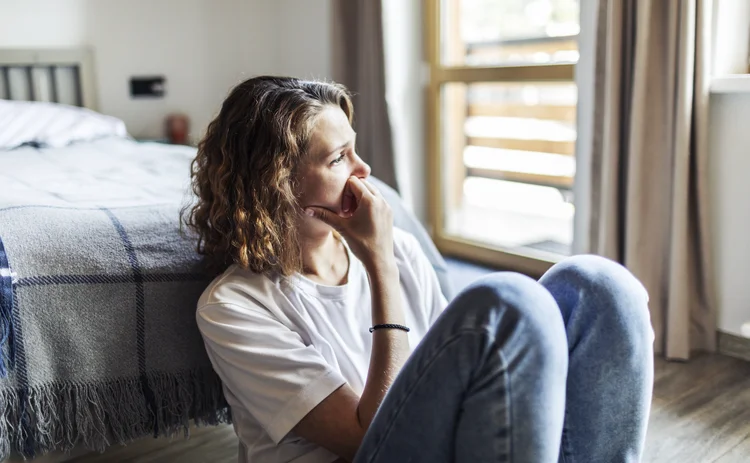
53 125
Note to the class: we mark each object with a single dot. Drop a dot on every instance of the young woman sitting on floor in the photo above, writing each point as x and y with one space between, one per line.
331 335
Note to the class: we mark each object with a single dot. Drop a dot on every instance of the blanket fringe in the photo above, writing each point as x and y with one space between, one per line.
61 416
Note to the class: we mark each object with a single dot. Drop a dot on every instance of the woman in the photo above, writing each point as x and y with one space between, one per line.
333 340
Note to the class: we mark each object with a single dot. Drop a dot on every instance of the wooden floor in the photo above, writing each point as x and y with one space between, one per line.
701 414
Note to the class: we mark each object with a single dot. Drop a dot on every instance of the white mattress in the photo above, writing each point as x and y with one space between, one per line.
112 171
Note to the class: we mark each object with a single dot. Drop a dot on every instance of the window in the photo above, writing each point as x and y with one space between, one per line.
501 131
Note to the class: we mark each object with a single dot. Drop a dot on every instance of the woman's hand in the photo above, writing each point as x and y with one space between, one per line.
367 224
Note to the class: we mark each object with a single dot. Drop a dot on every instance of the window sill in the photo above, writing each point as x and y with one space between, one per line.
733 83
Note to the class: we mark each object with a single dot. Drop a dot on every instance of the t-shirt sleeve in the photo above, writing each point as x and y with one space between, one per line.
266 365
433 301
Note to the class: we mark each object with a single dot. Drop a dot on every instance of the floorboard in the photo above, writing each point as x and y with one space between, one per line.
700 414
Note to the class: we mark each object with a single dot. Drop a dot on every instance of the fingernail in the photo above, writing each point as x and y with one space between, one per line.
309 212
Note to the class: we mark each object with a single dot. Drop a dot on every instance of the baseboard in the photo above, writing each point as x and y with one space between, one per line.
733 346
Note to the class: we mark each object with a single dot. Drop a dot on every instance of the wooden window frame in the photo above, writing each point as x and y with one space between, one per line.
533 263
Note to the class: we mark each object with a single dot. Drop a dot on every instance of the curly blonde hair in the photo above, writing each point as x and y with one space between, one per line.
244 173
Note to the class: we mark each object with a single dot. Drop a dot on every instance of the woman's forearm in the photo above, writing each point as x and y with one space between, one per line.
390 347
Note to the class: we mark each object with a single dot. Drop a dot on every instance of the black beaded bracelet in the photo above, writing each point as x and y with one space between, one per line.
390 326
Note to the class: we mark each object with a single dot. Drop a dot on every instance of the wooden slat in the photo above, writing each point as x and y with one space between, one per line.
30 82
52 70
566 148
531 73
523 48
522 177
432 108
517 52
78 86
557 41
6 80
546 112
455 106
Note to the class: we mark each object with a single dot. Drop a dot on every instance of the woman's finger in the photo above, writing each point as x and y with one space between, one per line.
372 188
325 215
358 188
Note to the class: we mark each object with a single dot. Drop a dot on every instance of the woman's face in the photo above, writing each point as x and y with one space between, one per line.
330 161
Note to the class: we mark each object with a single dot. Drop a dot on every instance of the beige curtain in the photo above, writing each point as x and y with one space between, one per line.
649 159
358 63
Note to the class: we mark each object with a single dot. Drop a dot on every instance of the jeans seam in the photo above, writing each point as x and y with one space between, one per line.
409 392
508 394
563 441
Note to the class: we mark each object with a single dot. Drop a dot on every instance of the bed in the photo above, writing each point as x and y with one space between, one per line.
98 284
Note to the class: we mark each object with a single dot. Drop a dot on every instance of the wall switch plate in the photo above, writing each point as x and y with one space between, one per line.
147 87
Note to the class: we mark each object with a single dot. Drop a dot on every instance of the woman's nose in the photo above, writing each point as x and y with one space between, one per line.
361 169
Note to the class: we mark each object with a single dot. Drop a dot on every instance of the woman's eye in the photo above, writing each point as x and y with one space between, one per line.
338 159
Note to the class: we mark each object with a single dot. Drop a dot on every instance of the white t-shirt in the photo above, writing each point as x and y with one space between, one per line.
282 345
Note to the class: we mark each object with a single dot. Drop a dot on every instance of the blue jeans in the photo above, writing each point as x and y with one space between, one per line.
522 371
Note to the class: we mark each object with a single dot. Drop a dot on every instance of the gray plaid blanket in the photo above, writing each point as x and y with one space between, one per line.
97 299
98 290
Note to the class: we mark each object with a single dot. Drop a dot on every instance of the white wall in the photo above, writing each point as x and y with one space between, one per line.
303 38
731 31
38 23
202 47
729 165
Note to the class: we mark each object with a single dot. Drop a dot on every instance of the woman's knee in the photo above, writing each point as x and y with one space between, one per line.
512 306
604 289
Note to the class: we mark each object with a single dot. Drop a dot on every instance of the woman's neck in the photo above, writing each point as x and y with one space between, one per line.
324 259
